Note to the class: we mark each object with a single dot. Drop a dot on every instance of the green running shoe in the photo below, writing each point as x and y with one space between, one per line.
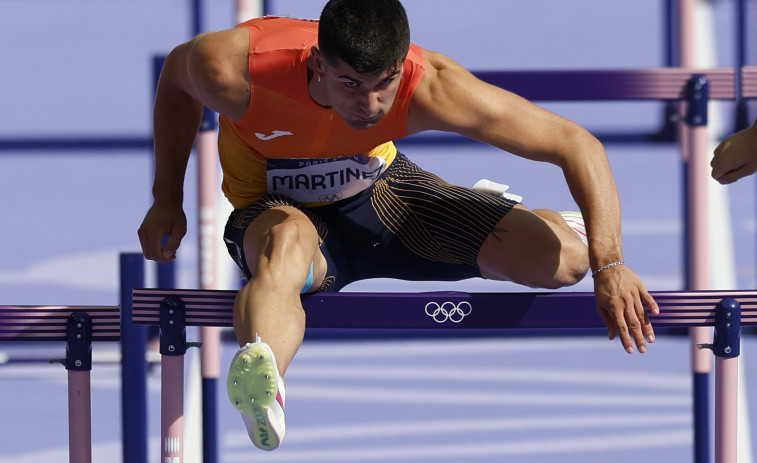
257 391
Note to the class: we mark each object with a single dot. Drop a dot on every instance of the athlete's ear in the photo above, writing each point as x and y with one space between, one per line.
318 59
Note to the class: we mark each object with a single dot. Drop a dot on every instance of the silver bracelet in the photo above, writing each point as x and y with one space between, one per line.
602 269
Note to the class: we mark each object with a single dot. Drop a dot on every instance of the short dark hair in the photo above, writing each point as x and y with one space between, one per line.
369 35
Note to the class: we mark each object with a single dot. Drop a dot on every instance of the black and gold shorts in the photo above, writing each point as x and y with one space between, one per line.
410 225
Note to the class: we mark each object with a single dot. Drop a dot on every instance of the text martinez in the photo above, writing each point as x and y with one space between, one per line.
323 181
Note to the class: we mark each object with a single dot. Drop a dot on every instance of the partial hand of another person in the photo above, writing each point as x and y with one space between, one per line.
736 156
621 296
163 219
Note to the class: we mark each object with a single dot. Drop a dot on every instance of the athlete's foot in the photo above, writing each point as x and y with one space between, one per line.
257 391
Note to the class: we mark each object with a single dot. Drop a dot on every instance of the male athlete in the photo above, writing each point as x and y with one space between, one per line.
308 112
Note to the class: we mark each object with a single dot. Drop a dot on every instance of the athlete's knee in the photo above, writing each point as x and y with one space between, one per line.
282 251
573 252
574 264
285 233
285 236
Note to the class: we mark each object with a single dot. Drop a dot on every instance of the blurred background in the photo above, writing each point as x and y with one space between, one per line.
76 155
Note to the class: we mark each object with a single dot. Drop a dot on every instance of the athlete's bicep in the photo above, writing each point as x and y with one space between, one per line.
450 98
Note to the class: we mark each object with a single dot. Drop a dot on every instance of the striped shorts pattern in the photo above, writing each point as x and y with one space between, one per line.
410 225
434 219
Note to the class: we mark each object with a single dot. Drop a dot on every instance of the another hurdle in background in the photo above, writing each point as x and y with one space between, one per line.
78 327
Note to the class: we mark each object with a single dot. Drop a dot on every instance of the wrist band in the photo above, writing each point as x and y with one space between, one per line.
602 269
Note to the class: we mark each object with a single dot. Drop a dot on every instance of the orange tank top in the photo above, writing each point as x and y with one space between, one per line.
286 143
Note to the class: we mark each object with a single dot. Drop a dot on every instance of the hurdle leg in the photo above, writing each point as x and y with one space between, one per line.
134 424
79 417
173 346
727 349
172 409
701 366
726 346
726 409
78 362
694 142
211 371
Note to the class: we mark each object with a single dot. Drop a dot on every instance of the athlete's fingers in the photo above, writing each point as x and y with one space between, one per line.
172 244
150 247
624 328
644 332
649 301
609 323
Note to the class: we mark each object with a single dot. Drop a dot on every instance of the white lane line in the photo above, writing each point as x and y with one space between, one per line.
470 397
312 350
467 450
298 435
596 379
105 451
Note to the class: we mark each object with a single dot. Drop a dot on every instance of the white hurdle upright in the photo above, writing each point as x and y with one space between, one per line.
174 310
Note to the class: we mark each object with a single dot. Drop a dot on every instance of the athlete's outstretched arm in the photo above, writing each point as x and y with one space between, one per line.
452 99
202 71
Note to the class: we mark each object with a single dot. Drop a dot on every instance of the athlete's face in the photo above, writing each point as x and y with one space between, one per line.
360 99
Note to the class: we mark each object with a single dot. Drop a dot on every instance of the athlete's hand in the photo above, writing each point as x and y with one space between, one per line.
736 156
163 219
621 296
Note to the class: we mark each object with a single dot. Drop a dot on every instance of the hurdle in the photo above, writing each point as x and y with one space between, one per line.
78 327
174 310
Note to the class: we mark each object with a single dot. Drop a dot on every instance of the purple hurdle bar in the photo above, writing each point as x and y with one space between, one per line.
605 85
564 310
78 326
460 310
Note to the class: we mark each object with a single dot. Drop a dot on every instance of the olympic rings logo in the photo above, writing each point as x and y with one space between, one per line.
331 196
448 311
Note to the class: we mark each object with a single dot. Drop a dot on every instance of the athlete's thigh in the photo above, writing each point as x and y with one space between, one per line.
283 232
533 249
250 235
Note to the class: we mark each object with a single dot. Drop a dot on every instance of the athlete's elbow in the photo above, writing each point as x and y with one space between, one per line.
577 143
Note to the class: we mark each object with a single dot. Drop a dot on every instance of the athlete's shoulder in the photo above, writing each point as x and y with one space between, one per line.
217 62
273 22
219 45
275 31
440 94
417 54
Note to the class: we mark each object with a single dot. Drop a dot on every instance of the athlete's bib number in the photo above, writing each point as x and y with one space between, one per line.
320 180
